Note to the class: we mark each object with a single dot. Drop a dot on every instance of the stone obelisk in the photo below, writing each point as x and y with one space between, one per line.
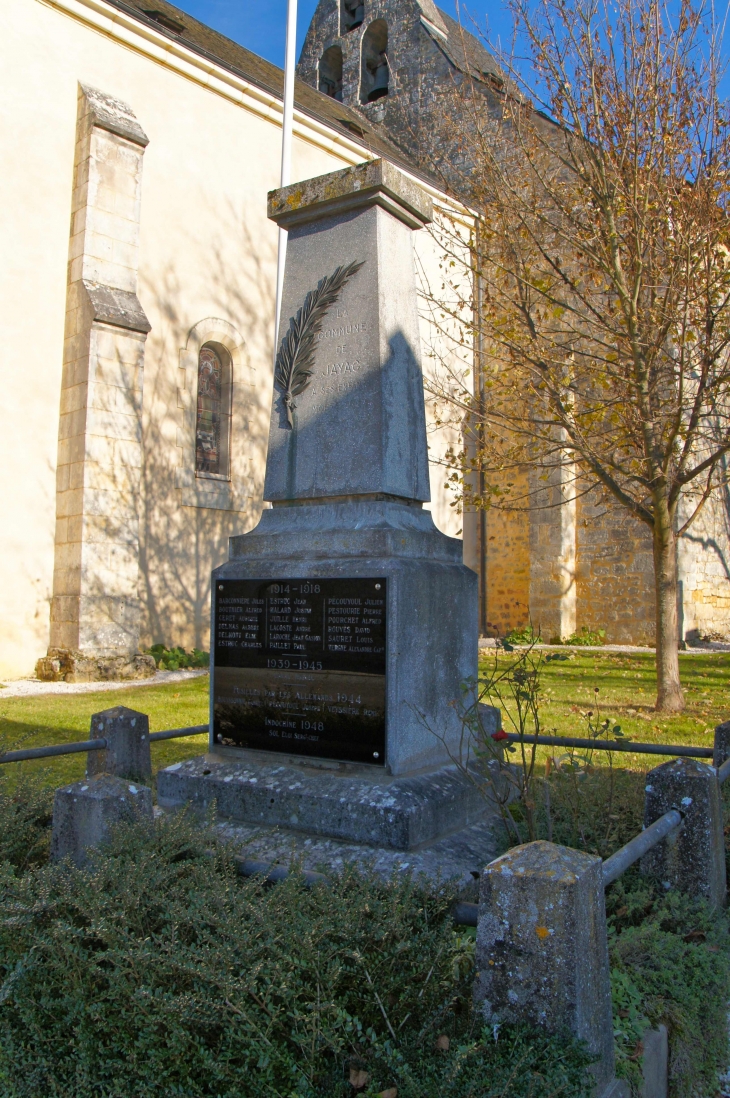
345 623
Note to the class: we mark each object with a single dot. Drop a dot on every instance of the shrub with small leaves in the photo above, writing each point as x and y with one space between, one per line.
177 659
156 971
670 964
588 638
26 813
526 635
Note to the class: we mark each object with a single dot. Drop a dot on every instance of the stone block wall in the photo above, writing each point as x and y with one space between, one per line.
553 594
531 558
614 572
704 564
508 570
562 567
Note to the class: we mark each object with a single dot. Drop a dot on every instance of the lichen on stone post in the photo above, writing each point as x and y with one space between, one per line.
542 949
692 858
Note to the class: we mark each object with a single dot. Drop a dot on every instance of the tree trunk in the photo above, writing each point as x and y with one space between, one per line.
669 689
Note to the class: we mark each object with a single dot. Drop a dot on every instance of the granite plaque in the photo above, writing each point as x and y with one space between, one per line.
299 667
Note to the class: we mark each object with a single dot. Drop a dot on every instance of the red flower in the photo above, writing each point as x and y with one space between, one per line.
501 735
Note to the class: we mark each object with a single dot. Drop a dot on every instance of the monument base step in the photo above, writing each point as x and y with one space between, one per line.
459 858
394 813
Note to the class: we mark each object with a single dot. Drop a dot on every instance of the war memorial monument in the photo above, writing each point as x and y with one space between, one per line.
345 623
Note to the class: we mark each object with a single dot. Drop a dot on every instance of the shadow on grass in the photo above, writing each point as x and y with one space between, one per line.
19 735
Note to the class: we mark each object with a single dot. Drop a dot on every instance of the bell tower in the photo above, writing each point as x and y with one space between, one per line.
383 58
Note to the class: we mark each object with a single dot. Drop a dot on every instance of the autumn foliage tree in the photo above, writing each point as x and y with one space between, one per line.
600 184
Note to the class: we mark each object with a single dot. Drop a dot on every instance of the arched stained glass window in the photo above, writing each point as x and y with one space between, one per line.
213 417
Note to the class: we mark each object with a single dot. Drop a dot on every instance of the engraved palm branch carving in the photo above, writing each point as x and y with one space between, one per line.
295 360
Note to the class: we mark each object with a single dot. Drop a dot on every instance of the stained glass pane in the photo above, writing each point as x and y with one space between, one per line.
208 423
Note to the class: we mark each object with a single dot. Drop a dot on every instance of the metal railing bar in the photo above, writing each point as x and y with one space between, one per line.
49 752
723 772
619 862
465 914
92 745
178 733
274 874
512 737
614 745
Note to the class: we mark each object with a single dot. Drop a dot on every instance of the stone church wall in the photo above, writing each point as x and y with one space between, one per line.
614 572
528 562
568 563
508 570
704 559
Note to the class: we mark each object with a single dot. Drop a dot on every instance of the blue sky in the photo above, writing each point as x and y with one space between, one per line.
261 26
258 26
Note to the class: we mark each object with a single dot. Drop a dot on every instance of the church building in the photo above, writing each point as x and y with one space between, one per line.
137 301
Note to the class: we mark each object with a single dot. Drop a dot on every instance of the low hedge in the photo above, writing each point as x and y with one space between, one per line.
157 971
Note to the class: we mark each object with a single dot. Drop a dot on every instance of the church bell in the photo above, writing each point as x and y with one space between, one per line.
380 81
355 13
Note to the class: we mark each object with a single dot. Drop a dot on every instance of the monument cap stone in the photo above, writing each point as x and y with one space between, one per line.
375 183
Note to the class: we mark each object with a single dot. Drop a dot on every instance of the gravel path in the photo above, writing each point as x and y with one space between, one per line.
26 688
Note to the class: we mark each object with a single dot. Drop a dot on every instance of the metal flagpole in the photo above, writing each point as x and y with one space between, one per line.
286 142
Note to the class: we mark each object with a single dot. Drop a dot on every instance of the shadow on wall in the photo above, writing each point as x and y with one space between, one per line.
179 545
706 598
722 511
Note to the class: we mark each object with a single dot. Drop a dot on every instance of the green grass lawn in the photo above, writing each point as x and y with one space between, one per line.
625 683
626 693
62 718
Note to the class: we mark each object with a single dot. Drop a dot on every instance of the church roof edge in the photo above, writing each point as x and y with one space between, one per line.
235 58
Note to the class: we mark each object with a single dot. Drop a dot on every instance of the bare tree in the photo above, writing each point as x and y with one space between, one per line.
602 271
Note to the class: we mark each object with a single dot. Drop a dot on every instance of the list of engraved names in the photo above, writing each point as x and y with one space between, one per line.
300 666
308 623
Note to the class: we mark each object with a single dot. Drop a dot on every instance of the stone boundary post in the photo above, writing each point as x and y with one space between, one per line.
542 950
692 858
85 812
127 754
721 746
